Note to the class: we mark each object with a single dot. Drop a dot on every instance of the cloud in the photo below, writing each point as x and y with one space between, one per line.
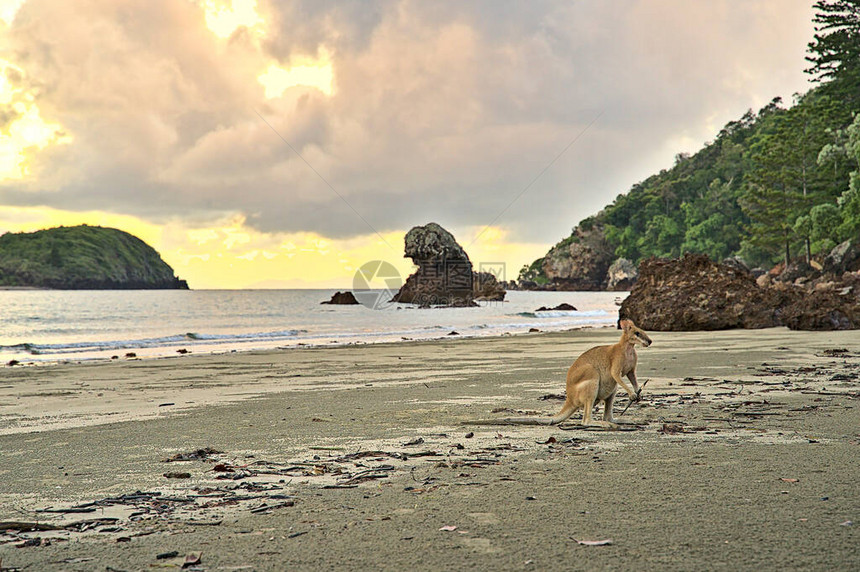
439 111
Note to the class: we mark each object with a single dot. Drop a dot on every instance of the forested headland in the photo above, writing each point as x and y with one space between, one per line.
82 258
777 184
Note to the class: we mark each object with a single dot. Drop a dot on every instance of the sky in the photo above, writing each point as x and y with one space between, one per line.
284 143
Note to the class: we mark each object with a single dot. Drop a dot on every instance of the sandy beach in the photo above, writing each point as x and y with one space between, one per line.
743 455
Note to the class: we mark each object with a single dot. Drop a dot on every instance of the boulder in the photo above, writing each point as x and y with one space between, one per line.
579 262
341 298
695 293
824 309
444 276
829 303
737 263
843 258
486 288
563 307
798 271
622 274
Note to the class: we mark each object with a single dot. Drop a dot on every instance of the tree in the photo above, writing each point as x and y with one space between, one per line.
662 237
713 223
772 197
825 219
835 50
533 272
808 122
849 202
773 182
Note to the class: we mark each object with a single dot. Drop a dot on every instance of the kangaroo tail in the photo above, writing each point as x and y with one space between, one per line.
562 415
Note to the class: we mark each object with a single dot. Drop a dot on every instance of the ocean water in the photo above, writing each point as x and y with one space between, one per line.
44 326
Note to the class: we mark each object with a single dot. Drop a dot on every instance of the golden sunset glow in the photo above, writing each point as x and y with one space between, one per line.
232 255
308 72
8 9
229 254
26 132
491 249
225 17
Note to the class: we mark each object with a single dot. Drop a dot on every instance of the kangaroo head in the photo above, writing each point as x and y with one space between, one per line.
632 334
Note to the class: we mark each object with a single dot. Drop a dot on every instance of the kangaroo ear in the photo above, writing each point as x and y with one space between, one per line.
625 324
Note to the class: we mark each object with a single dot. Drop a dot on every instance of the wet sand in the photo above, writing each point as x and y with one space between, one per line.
744 454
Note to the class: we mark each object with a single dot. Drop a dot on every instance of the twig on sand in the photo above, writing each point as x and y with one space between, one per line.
505 421
638 393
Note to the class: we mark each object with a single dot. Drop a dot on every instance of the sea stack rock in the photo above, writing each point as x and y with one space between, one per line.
444 276
341 298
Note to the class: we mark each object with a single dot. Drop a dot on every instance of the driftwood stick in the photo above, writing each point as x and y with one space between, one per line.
638 393
28 526
509 421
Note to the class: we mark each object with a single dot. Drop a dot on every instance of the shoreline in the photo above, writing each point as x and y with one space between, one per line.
54 406
356 457
251 321
222 348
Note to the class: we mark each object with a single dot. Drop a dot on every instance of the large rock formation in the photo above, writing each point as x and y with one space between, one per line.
622 274
579 262
444 276
486 288
695 293
836 306
341 298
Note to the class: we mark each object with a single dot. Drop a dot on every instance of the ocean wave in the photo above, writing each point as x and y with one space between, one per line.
564 314
20 348
159 325
242 337
141 343
572 314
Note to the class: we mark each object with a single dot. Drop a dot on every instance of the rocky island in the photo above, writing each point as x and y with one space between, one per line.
445 276
83 258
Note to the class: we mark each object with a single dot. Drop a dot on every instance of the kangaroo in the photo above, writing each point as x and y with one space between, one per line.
594 376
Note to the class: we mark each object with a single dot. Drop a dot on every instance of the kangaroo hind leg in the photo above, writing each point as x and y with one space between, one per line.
607 411
587 391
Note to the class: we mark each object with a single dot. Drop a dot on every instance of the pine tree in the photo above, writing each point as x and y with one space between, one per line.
773 198
835 51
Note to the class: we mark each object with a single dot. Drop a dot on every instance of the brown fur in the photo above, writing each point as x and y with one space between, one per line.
596 375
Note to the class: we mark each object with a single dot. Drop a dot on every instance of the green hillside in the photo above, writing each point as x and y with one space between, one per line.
776 184
82 257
